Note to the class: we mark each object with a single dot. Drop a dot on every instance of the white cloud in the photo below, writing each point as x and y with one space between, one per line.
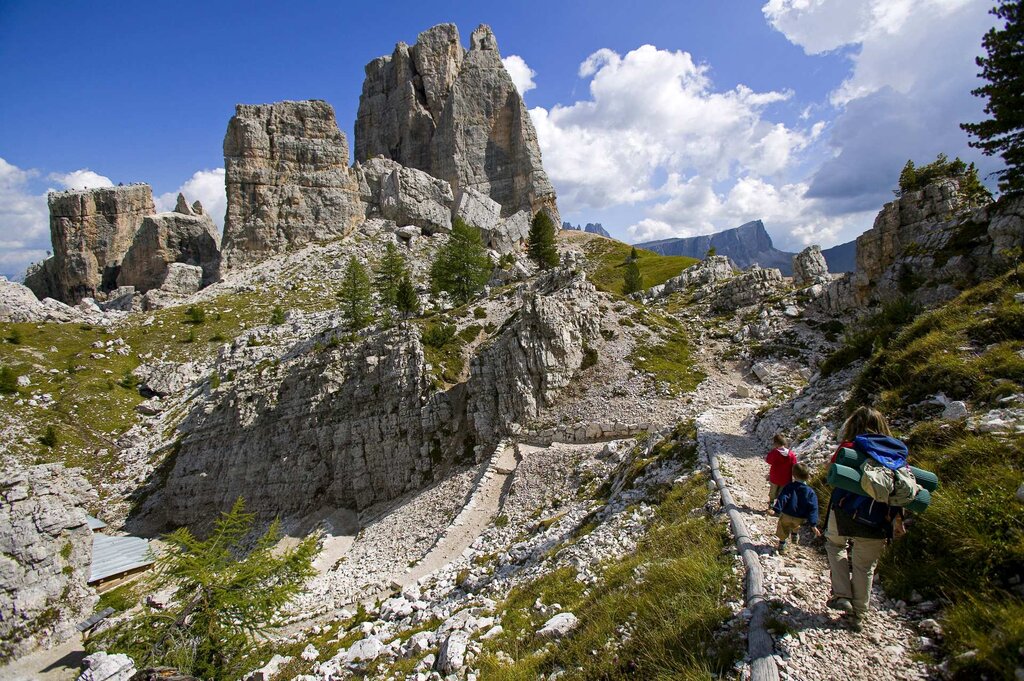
24 221
81 179
206 186
653 113
522 74
912 69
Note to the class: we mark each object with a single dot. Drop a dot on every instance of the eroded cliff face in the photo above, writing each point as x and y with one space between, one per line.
287 179
928 245
45 552
354 425
457 115
91 230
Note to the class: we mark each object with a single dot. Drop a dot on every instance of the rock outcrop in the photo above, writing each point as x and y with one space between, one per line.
181 236
287 180
809 267
45 551
928 245
351 426
706 274
457 115
405 195
748 288
91 230
504 235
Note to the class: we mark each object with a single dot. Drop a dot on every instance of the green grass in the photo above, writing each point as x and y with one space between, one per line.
667 355
866 335
968 548
668 594
606 260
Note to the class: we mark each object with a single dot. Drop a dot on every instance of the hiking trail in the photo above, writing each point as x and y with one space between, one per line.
811 641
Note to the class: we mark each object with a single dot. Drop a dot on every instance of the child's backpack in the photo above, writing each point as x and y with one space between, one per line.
885 475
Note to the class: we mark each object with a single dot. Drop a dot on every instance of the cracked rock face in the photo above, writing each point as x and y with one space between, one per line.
45 552
91 230
809 267
287 180
354 425
167 238
457 115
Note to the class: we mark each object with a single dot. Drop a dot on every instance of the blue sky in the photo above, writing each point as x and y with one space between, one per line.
656 119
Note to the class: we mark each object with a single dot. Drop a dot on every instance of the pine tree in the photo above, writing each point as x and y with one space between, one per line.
1003 68
633 255
711 252
461 267
8 380
390 273
406 300
633 281
355 295
540 244
225 598
908 178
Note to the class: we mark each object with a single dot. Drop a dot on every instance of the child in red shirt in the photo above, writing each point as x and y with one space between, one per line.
781 461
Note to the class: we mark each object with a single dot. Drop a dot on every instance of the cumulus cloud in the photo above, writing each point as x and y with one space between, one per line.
656 112
80 179
206 186
522 74
912 69
24 221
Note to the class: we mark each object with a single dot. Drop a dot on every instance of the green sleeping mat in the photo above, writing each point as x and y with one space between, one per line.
848 478
854 459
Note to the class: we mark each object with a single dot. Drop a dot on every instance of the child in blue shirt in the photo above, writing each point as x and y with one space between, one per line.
796 504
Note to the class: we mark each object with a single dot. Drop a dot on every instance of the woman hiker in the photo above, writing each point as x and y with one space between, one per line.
854 540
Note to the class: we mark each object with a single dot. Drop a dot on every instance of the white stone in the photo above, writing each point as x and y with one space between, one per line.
452 656
365 650
559 626
269 670
310 653
103 667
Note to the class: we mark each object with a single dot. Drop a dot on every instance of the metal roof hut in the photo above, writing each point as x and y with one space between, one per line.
114 557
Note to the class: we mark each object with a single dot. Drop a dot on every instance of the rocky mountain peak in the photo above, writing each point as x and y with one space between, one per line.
456 115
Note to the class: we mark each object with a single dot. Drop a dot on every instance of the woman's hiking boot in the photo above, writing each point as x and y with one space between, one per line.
841 604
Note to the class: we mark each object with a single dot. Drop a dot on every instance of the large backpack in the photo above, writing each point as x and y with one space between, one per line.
885 474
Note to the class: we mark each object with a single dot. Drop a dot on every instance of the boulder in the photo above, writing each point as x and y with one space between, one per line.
749 288
365 650
18 303
168 238
809 267
412 197
91 230
182 279
103 667
456 115
287 180
559 626
452 656
45 553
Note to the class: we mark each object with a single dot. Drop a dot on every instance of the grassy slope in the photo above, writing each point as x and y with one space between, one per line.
607 259
968 548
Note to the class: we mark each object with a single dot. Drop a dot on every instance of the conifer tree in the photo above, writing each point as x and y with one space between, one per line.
1003 68
355 295
225 598
540 244
633 255
461 267
406 300
390 272
633 281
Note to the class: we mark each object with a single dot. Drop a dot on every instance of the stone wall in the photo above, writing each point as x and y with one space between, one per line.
287 180
45 553
457 115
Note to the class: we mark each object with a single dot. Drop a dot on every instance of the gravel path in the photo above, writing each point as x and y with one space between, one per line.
817 643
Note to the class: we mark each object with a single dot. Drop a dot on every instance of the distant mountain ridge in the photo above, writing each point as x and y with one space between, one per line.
747 245
590 228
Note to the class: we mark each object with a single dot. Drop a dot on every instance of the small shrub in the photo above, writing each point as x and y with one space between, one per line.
218 338
129 381
438 334
194 314
480 313
214 381
14 337
190 337
589 357
501 521
8 380
49 437
277 315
